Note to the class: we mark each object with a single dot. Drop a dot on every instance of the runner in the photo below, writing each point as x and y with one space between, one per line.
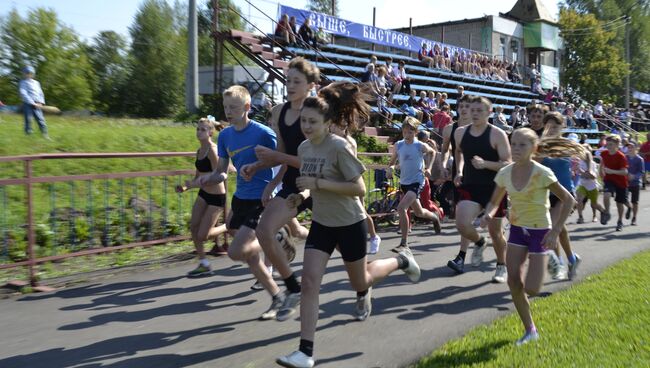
209 204
302 76
536 113
613 169
635 178
411 155
554 123
531 231
481 151
237 142
449 144
333 176
587 189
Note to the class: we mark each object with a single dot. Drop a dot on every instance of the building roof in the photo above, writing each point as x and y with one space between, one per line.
530 11
448 23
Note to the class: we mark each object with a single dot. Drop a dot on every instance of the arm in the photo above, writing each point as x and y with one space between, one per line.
278 156
24 93
550 239
497 197
500 140
459 160
219 175
429 157
391 163
446 142
355 188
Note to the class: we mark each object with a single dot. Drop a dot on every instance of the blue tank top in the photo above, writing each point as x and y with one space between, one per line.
562 169
411 162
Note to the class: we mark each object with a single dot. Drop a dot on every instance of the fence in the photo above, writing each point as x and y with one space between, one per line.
82 229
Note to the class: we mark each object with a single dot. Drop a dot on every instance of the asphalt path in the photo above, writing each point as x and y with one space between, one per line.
159 318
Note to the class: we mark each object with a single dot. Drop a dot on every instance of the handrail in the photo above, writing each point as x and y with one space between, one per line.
56 156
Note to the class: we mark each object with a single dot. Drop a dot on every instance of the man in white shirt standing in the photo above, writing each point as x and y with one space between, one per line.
33 98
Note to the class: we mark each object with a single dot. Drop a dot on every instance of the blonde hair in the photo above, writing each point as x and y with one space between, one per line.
528 134
212 124
411 122
613 138
239 92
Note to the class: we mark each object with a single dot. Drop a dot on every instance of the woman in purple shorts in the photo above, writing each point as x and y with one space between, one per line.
531 231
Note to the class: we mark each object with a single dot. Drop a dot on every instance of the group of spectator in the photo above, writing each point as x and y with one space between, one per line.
288 33
468 63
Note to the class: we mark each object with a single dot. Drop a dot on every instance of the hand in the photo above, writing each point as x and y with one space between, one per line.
478 162
191 183
458 180
265 154
550 239
247 171
294 200
180 188
267 195
427 173
306 182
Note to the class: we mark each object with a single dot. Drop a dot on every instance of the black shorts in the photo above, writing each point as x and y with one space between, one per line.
415 188
620 194
482 194
634 193
285 192
351 239
245 212
218 200
555 200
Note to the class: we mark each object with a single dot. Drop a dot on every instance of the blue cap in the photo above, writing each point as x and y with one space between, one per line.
29 70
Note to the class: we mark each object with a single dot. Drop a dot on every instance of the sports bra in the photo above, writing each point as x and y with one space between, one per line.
204 164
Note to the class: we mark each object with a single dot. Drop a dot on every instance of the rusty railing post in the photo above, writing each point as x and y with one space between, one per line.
31 239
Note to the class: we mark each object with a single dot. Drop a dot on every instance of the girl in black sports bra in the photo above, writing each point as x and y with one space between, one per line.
209 204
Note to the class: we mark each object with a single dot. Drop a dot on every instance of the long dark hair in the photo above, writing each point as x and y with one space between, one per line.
343 104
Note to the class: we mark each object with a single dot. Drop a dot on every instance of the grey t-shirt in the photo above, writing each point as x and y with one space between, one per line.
332 160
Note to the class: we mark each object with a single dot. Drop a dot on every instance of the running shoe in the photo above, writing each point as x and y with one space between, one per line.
257 286
297 359
289 307
604 218
413 269
573 268
272 312
400 248
284 237
528 337
619 226
477 253
580 220
363 306
555 268
201 270
436 224
374 244
633 223
501 274
457 264
628 213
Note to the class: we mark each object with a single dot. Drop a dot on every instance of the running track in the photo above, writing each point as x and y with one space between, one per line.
158 318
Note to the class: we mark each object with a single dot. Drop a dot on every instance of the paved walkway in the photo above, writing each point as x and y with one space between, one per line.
158 318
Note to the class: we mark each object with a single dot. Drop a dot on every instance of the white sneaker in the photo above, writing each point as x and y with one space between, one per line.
413 269
477 254
363 306
289 307
573 268
374 244
297 359
555 267
501 274
528 337
276 303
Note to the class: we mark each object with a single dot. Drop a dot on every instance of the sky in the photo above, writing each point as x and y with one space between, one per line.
88 17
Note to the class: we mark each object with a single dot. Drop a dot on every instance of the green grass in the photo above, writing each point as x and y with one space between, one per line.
601 322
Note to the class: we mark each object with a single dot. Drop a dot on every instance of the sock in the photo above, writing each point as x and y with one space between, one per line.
277 296
402 262
500 264
205 263
572 258
461 255
292 284
362 293
306 347
532 329
480 242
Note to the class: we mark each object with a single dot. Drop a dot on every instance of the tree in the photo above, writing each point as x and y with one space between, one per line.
591 65
54 50
109 58
159 60
323 6
229 18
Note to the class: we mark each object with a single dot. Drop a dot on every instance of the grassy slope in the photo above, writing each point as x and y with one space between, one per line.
601 322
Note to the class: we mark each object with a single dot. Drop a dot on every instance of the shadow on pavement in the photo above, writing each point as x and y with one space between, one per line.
464 358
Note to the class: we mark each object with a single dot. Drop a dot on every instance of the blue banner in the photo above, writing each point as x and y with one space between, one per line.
378 36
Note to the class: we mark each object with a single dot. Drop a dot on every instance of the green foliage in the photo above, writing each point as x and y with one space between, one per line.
370 144
599 322
323 6
56 53
229 18
591 65
109 57
159 55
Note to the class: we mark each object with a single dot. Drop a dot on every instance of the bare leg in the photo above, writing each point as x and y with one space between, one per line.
245 248
314 264
276 214
516 258
495 227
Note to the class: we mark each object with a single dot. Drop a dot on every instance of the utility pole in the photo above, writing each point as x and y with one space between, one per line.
333 11
192 98
629 63
374 16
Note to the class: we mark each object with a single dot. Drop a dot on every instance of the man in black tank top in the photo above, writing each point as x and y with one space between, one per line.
481 151
449 147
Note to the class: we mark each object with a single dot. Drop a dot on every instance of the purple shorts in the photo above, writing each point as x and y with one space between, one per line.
528 238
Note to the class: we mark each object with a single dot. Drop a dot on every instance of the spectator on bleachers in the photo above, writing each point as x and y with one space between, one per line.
446 59
515 118
423 55
432 103
513 72
441 119
599 109
537 88
460 90
423 106
403 78
523 115
456 63
385 115
292 25
283 32
369 76
499 120
382 84
639 119
412 104
443 100
436 54
569 117
307 34
533 74
390 78
322 37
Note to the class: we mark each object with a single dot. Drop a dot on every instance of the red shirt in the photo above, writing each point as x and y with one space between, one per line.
617 161
441 120
644 151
